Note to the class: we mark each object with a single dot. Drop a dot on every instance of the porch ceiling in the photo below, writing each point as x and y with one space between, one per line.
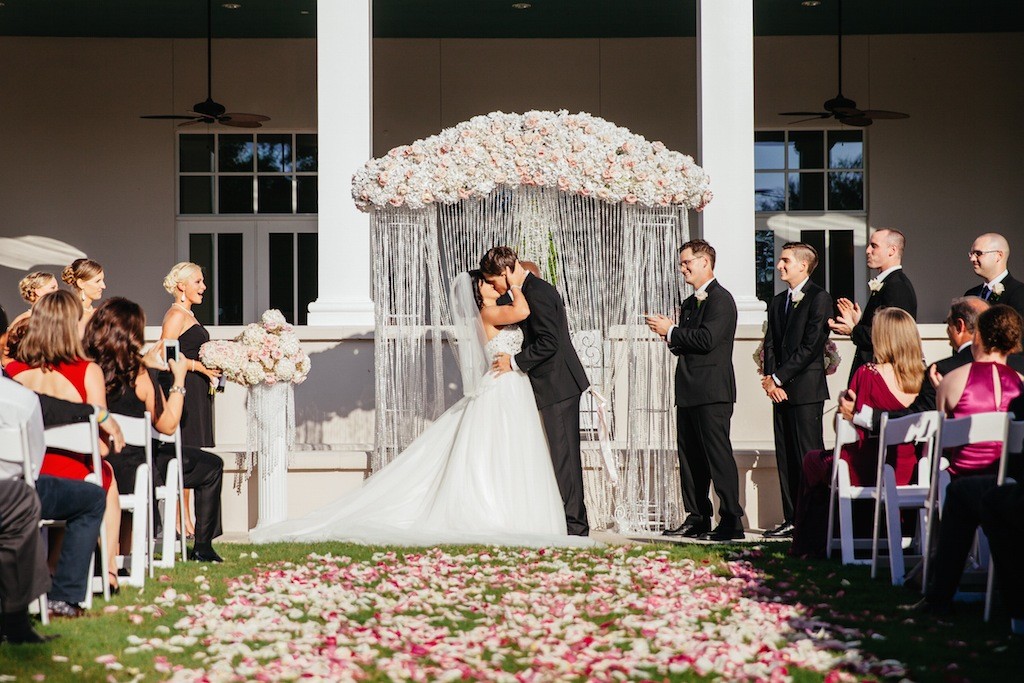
495 18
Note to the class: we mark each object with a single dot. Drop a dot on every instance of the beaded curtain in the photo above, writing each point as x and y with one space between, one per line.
611 263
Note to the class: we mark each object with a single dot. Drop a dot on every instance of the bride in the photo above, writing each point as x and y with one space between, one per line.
480 474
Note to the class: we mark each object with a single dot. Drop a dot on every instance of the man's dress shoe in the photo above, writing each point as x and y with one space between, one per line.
204 555
691 528
720 534
784 530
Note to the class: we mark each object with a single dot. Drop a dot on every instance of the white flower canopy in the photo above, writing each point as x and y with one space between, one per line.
603 213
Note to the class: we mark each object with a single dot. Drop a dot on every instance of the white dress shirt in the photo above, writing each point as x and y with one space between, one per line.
19 406
885 273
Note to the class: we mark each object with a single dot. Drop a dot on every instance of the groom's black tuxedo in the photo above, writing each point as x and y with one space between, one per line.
794 349
558 380
705 393
1013 293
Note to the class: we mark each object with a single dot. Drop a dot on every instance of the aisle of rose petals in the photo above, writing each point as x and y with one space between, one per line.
500 614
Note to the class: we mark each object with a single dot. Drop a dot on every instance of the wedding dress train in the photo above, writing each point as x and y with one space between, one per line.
480 474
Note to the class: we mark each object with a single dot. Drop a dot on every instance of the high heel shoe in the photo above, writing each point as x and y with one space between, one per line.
115 588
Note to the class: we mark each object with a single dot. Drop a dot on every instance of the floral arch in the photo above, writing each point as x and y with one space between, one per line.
602 211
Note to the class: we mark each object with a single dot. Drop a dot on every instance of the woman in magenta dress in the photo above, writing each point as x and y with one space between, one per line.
986 385
890 383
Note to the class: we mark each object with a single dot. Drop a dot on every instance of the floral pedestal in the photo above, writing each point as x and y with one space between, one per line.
271 411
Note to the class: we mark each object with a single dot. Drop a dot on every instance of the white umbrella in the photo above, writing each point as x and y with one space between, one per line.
23 253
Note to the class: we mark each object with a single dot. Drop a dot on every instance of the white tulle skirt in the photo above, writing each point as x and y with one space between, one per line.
480 474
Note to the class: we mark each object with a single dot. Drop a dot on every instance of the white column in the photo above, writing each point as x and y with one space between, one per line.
725 124
345 124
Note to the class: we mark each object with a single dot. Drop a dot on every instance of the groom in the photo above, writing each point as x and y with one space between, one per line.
557 376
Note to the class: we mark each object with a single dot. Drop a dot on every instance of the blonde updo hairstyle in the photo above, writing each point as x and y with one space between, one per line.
80 269
31 282
179 273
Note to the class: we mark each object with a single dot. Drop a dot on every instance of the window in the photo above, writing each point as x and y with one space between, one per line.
809 187
247 207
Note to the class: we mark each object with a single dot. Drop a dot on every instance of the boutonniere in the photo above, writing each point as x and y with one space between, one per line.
875 285
997 290
797 298
701 297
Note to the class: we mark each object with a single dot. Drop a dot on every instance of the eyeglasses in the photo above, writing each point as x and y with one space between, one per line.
976 253
688 261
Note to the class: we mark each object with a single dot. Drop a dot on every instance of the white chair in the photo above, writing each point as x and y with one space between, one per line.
139 502
170 494
842 494
1012 446
14 449
890 499
84 437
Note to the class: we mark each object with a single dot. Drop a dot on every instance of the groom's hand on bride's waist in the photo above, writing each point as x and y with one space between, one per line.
502 364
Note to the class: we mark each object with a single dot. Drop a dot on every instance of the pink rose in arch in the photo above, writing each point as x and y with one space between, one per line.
396 201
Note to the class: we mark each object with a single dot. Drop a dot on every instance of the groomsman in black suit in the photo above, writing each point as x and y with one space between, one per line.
794 371
705 394
890 288
989 255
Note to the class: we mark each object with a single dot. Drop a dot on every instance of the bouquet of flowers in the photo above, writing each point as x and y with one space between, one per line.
832 358
266 352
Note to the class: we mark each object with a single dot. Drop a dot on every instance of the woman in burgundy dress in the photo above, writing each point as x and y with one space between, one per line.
890 383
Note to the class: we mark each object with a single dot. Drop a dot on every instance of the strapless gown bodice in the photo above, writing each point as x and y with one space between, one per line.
508 340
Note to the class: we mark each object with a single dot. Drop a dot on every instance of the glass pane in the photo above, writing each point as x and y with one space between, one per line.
816 238
282 273
769 192
806 191
305 152
195 153
200 252
840 264
306 194
770 150
307 275
229 279
235 194
195 194
764 264
846 191
235 153
274 153
275 193
845 149
806 149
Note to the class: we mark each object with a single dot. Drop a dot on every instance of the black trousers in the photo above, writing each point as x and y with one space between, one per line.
797 433
1002 518
705 457
24 575
203 473
961 517
562 428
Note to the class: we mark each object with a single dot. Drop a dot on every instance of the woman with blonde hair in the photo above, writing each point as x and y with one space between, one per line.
31 287
85 277
890 383
50 360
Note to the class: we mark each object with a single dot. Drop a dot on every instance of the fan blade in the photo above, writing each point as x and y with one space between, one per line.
815 114
813 118
167 116
237 116
240 124
882 114
849 111
193 122
860 121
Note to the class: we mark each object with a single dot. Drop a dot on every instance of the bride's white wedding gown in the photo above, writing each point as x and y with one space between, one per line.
480 474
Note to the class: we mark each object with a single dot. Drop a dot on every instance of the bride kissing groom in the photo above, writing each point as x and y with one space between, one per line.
558 379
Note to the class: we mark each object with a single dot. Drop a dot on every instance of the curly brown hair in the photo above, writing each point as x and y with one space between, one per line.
999 329
80 269
113 338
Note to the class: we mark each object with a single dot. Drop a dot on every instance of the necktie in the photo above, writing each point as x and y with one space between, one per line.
789 301
985 292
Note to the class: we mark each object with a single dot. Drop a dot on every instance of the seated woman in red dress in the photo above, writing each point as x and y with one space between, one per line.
50 361
986 385
892 382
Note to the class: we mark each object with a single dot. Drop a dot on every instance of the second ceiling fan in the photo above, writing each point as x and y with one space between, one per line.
842 108
209 111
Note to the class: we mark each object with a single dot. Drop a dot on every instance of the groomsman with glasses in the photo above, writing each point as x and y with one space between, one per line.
989 255
794 371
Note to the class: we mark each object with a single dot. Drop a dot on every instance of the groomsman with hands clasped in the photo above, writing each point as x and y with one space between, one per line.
705 394
989 256
794 371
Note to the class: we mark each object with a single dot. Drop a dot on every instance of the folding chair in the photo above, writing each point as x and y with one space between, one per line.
14 449
890 499
136 432
171 495
84 437
843 493
1012 446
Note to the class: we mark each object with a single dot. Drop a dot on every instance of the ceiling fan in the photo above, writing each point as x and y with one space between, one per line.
842 108
209 111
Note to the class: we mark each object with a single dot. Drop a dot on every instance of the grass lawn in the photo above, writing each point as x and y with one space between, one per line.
549 615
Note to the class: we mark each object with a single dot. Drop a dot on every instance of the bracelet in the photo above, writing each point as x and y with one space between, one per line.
176 390
104 414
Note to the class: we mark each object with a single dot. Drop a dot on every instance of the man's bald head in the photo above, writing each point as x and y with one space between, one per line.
989 255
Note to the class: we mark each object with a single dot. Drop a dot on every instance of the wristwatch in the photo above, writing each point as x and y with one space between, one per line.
176 390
